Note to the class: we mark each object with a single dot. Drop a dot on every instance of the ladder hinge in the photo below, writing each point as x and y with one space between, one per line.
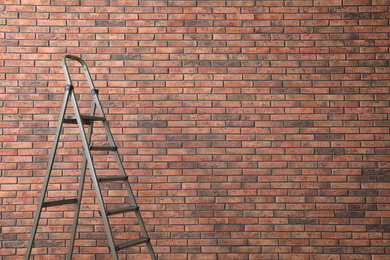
95 91
69 87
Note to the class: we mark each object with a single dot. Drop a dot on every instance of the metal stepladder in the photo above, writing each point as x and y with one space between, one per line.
82 120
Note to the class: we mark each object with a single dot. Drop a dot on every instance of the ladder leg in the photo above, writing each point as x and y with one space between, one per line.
123 173
150 249
129 191
134 203
99 196
80 190
141 223
77 209
47 176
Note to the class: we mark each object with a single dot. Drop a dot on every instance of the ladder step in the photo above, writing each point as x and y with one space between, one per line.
112 178
84 118
59 202
121 210
103 148
132 242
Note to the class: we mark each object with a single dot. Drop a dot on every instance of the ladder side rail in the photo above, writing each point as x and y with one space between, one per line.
129 190
68 91
105 124
150 250
116 154
123 173
87 154
140 221
80 190
127 184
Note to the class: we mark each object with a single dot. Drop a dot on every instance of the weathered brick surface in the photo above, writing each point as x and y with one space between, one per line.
249 129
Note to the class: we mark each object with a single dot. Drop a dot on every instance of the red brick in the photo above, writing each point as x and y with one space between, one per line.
228 113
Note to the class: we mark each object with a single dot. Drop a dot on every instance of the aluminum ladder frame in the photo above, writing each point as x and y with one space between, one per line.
82 120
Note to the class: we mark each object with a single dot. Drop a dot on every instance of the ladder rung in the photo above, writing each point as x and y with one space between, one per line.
84 118
59 202
112 178
132 242
121 210
102 148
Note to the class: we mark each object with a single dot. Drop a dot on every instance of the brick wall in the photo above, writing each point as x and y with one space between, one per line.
249 129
